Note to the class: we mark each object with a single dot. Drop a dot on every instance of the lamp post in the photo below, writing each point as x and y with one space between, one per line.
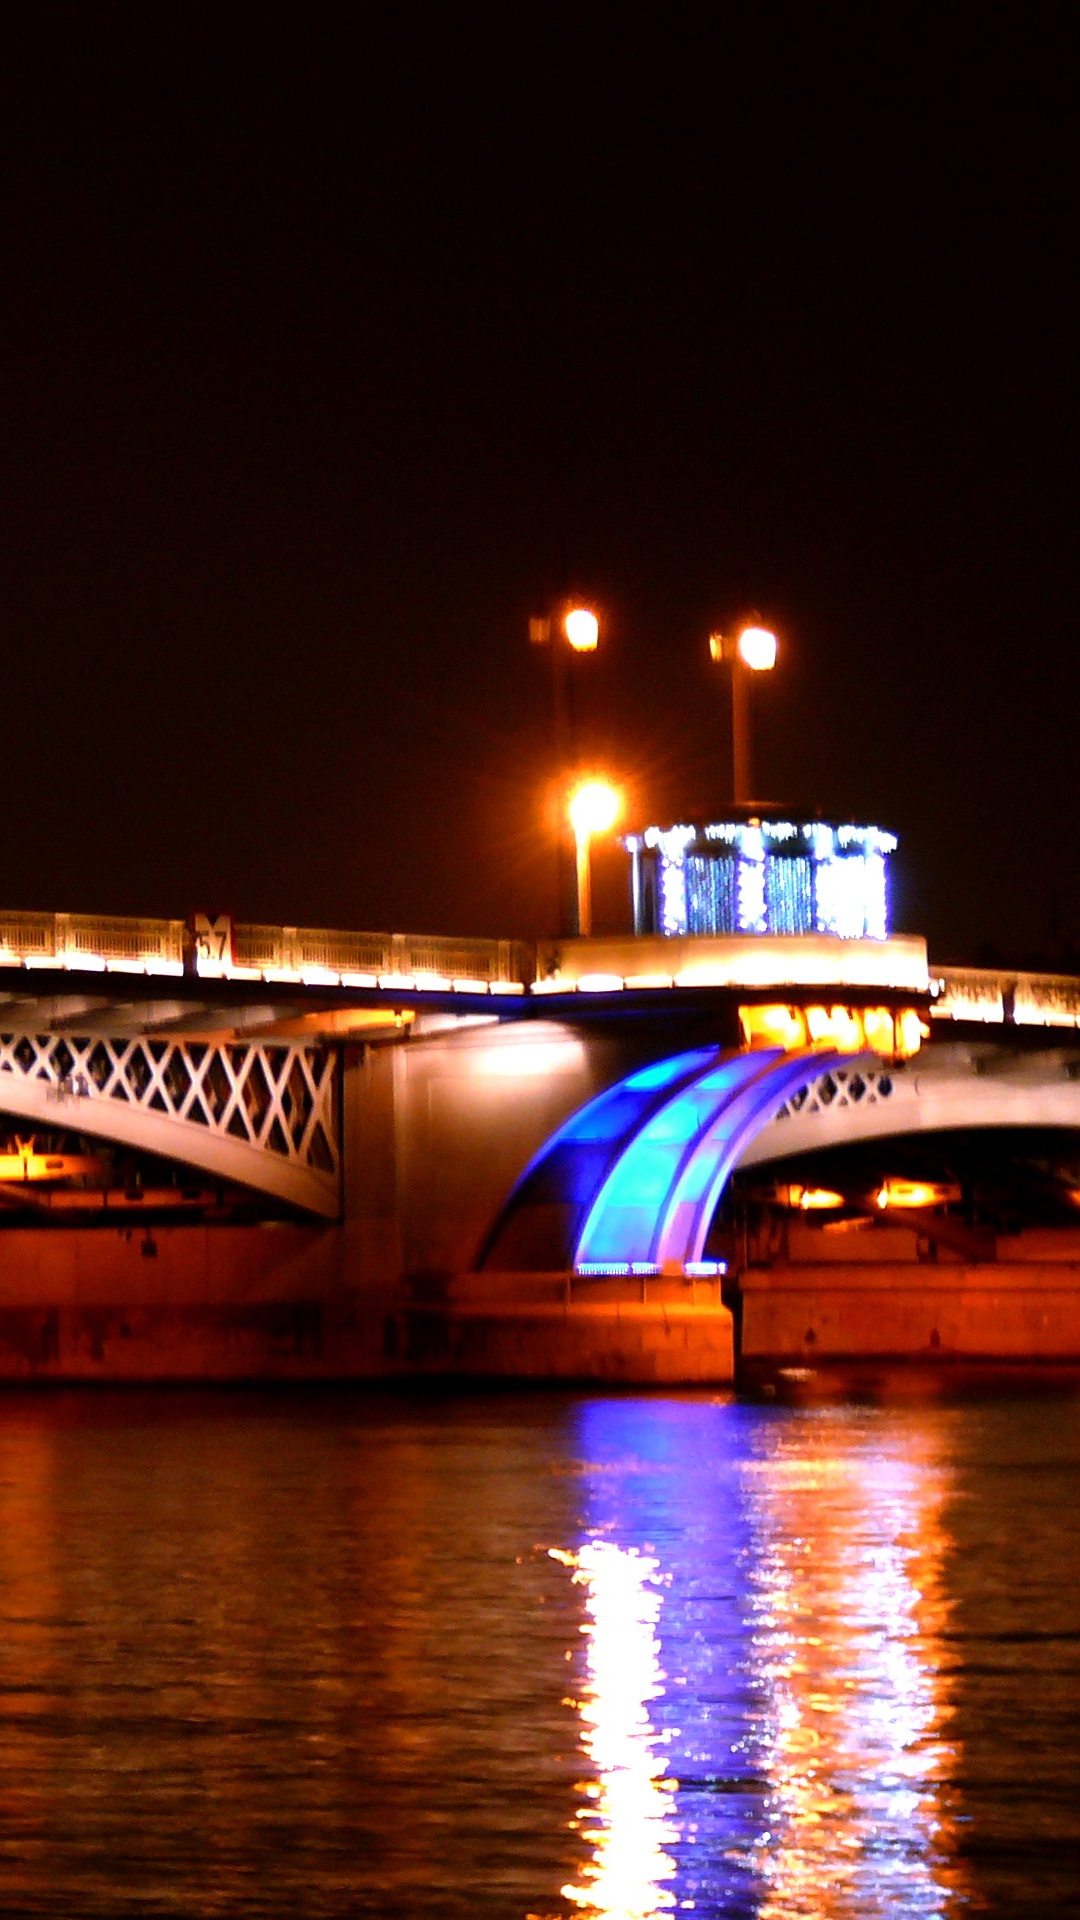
572 628
752 650
594 808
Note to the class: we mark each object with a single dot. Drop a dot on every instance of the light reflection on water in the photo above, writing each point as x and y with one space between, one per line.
848 1618
309 1657
629 1821
804 1707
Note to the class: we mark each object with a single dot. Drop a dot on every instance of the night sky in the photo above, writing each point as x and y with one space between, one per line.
335 338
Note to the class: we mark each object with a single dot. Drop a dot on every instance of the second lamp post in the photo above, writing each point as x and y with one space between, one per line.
752 650
572 628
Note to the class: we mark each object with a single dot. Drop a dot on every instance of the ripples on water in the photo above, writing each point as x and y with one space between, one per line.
557 1656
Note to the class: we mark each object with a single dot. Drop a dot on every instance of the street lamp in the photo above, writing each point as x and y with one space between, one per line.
582 629
570 628
594 808
752 650
580 626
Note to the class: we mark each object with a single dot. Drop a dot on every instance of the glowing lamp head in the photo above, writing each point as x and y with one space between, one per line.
594 808
813 1198
582 629
756 648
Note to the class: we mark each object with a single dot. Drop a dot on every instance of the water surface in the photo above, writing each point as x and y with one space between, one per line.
529 1655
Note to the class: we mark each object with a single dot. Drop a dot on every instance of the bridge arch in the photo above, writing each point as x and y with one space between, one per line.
633 1178
944 1089
258 1113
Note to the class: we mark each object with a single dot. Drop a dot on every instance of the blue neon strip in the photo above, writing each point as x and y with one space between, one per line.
611 1112
567 1171
658 1200
623 1220
646 1269
663 1073
695 1193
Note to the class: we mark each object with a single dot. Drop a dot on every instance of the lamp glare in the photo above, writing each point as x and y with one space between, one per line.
594 807
757 648
582 629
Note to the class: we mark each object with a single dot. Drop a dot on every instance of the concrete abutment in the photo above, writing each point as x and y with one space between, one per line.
290 1303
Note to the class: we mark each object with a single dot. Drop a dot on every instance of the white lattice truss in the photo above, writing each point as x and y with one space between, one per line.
941 1089
845 1104
841 1089
252 1112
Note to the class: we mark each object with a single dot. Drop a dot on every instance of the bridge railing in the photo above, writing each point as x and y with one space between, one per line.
371 958
993 996
86 942
93 942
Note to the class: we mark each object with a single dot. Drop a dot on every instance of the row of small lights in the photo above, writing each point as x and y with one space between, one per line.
82 962
650 1270
420 982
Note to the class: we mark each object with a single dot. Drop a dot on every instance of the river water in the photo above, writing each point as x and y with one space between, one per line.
537 1655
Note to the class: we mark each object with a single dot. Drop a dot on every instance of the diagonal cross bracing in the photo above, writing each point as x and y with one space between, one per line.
258 1113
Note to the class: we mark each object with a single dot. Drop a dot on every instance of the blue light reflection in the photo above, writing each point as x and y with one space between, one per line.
764 1692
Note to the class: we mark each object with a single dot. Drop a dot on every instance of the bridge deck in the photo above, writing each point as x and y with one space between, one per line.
142 975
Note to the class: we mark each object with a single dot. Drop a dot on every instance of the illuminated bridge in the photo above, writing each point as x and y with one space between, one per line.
222 1048
449 1117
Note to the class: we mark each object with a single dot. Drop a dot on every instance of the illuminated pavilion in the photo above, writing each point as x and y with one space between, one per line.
762 876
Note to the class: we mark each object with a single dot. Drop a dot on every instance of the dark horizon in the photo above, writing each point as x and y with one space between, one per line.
332 345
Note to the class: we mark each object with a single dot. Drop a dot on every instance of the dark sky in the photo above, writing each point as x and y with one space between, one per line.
334 337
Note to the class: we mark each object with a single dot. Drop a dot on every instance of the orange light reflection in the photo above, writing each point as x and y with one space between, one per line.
850 1609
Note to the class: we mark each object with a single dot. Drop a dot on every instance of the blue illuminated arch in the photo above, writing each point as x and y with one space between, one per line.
655 1207
633 1179
695 1193
623 1220
540 1225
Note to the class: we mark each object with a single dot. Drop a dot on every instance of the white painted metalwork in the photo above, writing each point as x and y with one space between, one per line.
843 1088
944 1087
253 1112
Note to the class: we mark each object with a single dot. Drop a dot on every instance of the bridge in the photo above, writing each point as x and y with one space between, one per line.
442 1125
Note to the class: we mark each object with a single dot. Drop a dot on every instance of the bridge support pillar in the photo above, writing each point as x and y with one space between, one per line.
547 1327
1003 1313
